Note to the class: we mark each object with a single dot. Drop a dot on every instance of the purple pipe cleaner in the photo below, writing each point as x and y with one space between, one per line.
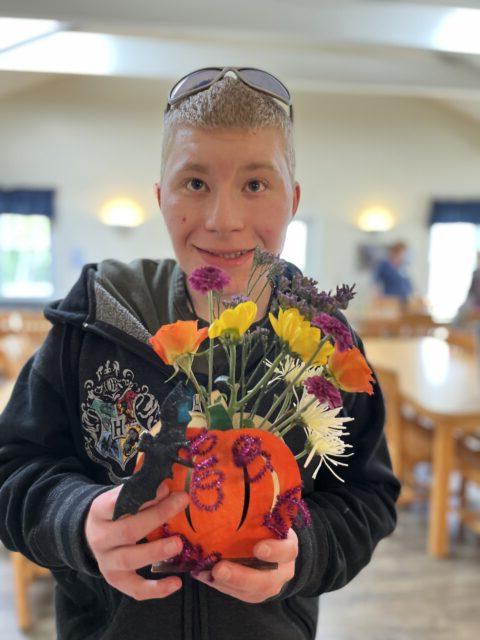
192 557
204 476
245 450
293 507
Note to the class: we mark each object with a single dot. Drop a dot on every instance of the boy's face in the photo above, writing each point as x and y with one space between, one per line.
224 192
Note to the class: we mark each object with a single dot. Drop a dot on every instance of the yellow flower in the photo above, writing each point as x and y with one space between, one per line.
233 323
300 336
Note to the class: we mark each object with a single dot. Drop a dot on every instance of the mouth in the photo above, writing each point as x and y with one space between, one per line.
225 258
228 255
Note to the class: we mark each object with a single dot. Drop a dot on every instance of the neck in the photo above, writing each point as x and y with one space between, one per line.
260 294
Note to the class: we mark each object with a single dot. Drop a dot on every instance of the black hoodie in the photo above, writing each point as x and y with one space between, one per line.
70 431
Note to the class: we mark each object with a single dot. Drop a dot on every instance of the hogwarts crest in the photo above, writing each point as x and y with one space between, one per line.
115 413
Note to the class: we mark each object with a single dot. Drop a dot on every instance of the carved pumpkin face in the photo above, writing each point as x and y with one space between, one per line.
237 478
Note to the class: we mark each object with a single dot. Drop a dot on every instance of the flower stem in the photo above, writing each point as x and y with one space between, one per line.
210 349
232 357
290 386
263 381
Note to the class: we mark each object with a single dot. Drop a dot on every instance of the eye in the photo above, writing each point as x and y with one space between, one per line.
195 183
256 186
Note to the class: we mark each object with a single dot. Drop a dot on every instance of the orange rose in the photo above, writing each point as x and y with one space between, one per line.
351 371
178 339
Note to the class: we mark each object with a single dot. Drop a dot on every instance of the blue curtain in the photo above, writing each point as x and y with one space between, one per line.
27 201
455 211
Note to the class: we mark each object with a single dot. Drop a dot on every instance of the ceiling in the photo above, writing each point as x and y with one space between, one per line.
427 48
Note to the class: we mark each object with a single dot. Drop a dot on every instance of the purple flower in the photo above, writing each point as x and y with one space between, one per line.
323 390
344 295
235 300
335 327
262 257
207 279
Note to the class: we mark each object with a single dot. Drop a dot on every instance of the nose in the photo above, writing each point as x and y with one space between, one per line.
224 214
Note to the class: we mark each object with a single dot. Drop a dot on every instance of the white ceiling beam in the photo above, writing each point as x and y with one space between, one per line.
96 54
327 22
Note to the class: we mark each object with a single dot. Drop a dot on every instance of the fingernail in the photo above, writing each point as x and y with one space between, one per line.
223 573
179 500
264 550
162 491
172 547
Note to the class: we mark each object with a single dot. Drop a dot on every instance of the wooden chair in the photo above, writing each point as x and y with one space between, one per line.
409 440
462 338
24 573
468 457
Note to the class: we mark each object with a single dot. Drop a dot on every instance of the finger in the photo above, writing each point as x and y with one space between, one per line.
141 589
236 577
279 551
250 595
131 557
130 529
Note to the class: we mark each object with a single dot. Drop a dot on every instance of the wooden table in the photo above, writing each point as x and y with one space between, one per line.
443 383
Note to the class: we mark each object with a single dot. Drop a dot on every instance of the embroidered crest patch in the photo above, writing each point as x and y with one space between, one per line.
116 411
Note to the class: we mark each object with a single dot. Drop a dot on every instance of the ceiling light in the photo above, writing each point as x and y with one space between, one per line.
459 32
15 31
122 212
376 219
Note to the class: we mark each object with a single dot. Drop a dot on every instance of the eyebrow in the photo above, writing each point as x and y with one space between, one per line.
253 166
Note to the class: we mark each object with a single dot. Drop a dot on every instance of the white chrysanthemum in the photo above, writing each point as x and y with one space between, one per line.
289 368
319 418
327 446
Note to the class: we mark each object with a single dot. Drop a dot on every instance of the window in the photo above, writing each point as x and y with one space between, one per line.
453 248
295 248
25 256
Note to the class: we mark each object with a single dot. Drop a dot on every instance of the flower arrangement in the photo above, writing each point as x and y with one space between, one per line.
243 480
314 359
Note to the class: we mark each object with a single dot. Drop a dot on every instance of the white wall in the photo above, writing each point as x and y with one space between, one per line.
95 138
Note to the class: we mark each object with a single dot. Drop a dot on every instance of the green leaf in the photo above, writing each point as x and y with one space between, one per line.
219 418
248 423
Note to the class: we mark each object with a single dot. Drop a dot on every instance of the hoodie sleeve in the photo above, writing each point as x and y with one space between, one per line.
349 518
45 493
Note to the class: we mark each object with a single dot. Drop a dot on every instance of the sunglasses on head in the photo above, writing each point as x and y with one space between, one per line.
202 79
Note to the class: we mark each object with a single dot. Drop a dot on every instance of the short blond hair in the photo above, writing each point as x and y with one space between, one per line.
229 103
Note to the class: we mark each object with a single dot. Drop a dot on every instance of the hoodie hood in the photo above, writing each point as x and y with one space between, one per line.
135 298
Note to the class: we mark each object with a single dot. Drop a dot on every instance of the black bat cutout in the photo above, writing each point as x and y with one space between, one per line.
160 452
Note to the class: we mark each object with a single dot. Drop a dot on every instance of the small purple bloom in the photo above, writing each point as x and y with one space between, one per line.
235 300
262 257
344 295
205 279
335 327
323 390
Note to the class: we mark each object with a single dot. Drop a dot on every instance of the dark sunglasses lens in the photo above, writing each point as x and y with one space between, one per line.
195 80
264 80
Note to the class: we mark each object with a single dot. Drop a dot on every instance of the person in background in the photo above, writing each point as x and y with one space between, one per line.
390 275
67 436
470 309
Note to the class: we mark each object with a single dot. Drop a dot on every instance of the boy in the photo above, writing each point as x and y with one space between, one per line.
227 185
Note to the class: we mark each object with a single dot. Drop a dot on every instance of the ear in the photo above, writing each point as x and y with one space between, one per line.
296 198
158 192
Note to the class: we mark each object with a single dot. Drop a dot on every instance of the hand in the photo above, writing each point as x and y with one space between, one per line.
255 585
113 544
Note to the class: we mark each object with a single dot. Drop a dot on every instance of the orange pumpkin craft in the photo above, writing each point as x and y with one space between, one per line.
243 481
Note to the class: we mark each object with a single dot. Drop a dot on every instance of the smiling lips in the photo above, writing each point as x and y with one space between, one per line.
223 258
